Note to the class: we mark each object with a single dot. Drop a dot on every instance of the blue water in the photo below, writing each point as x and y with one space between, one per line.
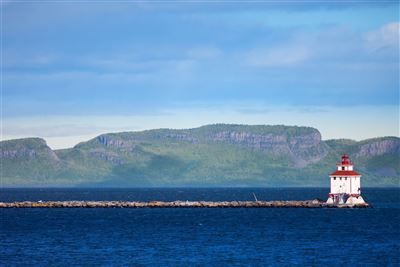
199 237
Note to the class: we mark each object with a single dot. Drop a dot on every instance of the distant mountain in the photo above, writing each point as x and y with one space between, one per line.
212 155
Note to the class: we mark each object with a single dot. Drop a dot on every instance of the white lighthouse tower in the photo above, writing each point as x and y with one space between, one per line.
345 184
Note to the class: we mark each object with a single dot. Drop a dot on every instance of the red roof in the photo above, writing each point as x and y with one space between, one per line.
345 173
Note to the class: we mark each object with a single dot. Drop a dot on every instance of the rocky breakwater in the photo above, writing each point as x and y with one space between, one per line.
178 204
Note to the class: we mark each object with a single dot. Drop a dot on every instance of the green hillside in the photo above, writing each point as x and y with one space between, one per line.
212 155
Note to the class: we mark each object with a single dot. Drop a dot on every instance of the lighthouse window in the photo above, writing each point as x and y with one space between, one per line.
345 178
342 168
340 178
334 178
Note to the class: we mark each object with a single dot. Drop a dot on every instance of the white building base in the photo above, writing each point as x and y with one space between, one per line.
330 200
355 200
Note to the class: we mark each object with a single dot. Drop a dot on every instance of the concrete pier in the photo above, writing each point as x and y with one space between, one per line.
316 203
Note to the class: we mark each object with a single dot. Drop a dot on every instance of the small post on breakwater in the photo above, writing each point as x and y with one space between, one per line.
255 198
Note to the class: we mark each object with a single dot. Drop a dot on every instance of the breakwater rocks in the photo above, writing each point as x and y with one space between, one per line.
178 204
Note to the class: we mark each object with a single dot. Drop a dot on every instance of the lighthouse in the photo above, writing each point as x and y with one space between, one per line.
345 184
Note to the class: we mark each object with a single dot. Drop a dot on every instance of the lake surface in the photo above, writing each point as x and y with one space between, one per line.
199 237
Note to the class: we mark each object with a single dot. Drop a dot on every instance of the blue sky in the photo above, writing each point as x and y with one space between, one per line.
72 70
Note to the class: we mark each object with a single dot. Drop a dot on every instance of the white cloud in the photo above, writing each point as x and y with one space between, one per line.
386 36
333 45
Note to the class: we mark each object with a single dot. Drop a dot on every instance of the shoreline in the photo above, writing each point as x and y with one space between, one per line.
179 204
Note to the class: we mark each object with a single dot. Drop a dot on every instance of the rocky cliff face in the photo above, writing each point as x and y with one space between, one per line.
27 149
115 142
303 148
376 147
130 140
270 142
18 153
